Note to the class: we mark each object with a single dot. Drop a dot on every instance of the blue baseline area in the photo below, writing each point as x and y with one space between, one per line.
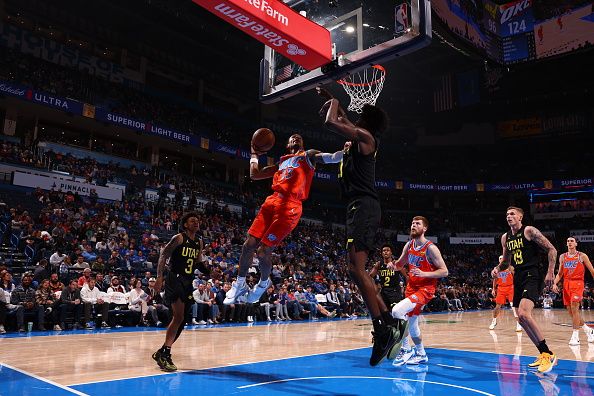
449 372
13 382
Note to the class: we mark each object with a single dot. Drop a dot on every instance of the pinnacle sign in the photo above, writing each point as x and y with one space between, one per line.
277 26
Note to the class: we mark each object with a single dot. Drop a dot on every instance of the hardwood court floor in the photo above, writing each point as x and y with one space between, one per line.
82 357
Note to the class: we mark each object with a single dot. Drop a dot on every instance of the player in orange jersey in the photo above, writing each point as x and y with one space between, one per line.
279 214
425 267
571 269
503 291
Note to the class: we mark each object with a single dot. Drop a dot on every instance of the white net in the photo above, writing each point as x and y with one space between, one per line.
364 87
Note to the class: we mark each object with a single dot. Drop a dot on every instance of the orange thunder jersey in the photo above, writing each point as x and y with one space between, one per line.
417 258
294 176
505 280
573 267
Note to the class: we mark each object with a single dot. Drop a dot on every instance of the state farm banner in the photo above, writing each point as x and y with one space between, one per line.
49 183
278 27
472 241
585 238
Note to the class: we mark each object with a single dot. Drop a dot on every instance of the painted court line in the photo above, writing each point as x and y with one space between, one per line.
215 367
365 377
48 381
507 372
579 376
447 365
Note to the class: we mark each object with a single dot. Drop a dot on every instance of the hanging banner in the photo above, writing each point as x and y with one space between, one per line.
49 183
277 26
472 241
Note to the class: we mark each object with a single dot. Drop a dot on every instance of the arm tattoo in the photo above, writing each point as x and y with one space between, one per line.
545 244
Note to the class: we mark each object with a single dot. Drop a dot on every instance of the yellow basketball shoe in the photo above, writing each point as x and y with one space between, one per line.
547 363
536 363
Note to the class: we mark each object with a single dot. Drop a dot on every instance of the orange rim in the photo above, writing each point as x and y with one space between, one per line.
378 67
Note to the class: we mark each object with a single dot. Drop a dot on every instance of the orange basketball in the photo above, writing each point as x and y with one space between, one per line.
263 140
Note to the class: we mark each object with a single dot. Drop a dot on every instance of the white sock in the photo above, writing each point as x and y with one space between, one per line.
587 329
405 343
514 311
420 350
576 334
494 320
240 280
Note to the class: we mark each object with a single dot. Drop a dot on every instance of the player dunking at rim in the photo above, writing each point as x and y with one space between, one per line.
184 253
521 245
279 214
357 179
425 267
571 269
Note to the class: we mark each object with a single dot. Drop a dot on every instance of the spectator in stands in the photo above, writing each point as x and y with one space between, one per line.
116 286
71 303
23 297
47 305
318 307
227 311
3 303
282 312
267 300
88 254
115 260
40 273
147 277
137 300
92 300
55 283
56 259
101 247
99 265
100 282
7 284
345 301
81 263
85 277
201 307
332 299
155 303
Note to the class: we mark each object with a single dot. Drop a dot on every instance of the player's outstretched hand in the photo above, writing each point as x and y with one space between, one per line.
324 110
549 279
555 289
324 93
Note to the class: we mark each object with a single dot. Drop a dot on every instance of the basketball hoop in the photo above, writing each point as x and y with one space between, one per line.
364 87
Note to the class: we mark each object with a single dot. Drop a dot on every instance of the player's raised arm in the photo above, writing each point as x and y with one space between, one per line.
317 157
175 241
345 128
533 234
259 174
402 260
435 258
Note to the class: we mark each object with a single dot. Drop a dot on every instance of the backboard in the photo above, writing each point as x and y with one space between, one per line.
364 33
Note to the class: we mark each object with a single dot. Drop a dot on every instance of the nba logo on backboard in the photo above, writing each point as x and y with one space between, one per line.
401 19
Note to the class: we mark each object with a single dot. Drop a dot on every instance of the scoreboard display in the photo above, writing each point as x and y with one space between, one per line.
510 27
520 30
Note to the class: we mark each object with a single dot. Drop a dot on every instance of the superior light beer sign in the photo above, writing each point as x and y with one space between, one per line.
277 26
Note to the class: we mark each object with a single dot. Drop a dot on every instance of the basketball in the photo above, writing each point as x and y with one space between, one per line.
263 140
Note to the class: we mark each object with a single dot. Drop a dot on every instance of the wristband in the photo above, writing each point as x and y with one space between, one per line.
254 161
